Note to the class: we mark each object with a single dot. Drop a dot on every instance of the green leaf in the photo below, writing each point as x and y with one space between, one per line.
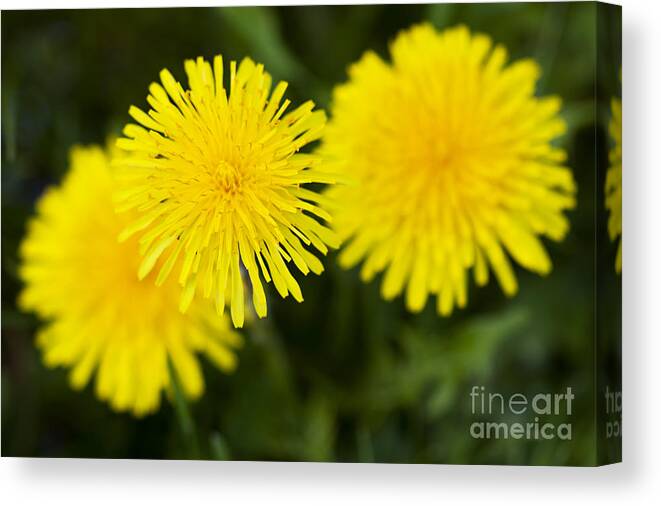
260 30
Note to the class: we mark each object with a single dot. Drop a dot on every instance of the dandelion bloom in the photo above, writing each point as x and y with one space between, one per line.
101 318
450 165
614 181
217 179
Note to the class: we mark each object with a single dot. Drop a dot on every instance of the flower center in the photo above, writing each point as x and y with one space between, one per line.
441 163
228 178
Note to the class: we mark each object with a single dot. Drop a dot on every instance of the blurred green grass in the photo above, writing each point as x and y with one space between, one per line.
344 376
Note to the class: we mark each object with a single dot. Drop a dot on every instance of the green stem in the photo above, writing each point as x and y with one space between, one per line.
365 447
219 450
184 417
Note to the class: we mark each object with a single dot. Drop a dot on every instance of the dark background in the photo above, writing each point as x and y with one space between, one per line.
344 376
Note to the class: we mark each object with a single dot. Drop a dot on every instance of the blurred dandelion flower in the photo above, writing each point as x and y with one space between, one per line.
452 165
614 180
100 316
217 179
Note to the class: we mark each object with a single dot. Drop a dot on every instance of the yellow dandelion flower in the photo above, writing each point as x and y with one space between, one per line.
614 180
101 318
217 179
452 165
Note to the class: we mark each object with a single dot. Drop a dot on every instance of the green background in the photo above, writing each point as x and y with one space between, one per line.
345 376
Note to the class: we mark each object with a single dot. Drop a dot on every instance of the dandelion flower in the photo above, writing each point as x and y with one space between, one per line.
614 181
449 157
99 316
217 179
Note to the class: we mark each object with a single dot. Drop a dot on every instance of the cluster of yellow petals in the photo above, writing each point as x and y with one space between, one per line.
614 180
217 180
100 317
451 166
